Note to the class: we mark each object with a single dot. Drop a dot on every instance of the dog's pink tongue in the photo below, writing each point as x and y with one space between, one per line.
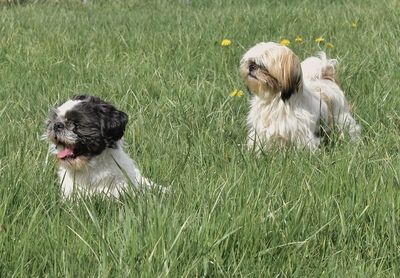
65 153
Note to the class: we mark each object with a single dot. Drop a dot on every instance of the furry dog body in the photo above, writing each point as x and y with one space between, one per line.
86 136
110 173
293 103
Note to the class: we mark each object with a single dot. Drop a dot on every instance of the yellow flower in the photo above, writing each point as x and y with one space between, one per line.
298 39
284 42
354 24
226 42
237 93
319 40
330 45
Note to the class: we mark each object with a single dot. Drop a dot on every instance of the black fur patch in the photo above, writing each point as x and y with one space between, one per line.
98 125
294 86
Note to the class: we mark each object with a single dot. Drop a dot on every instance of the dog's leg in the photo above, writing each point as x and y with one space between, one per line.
67 185
345 121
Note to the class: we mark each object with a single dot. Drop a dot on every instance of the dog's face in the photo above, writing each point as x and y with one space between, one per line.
84 127
269 69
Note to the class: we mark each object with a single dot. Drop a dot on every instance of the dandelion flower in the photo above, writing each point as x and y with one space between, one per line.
354 24
330 45
226 42
237 93
319 40
298 39
284 42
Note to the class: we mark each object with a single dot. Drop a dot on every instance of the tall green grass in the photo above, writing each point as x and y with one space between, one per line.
285 213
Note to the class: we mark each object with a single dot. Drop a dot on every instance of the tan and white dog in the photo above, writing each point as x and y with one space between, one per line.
293 103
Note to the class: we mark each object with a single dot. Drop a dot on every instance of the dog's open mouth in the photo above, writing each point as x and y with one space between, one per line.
65 152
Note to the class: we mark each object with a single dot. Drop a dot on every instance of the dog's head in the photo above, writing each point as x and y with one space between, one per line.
83 127
269 69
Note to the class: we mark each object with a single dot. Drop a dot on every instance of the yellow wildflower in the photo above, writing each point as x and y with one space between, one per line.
330 45
237 93
298 39
284 42
354 24
226 42
319 40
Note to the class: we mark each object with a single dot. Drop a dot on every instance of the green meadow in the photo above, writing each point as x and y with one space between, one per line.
284 213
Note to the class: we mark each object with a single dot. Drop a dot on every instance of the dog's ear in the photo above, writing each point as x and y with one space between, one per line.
113 122
292 77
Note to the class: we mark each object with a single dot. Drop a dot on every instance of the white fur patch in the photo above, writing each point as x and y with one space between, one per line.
111 174
68 105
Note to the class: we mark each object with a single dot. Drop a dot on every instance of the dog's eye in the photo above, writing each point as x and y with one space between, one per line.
70 124
252 67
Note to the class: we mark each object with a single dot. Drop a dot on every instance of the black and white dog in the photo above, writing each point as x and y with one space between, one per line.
86 135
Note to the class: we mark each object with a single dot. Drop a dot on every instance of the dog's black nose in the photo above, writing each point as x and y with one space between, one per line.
58 126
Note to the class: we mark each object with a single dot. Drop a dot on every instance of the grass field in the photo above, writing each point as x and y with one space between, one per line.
286 213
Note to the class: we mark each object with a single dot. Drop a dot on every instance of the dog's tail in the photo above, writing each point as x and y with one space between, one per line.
320 67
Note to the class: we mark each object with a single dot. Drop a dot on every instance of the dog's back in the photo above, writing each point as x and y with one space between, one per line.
319 67
319 74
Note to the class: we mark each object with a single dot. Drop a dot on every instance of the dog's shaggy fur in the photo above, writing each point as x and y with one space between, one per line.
293 103
86 134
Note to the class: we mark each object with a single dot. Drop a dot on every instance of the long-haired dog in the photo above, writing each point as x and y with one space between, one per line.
85 134
293 103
